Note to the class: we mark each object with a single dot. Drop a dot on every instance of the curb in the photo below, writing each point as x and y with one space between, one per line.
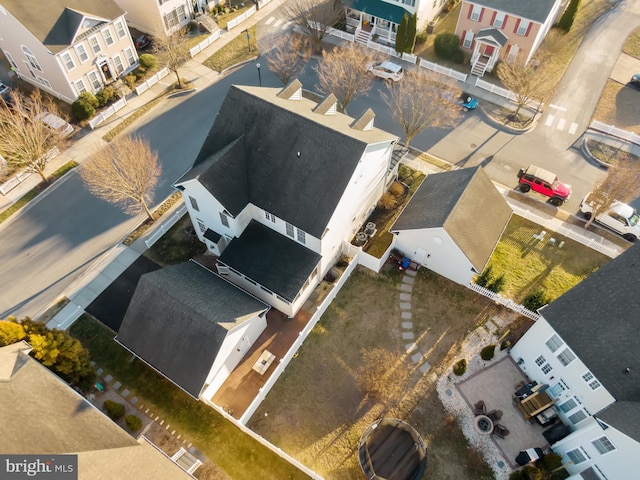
584 148
507 128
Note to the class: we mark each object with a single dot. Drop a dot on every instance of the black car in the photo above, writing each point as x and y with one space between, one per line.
142 42
635 81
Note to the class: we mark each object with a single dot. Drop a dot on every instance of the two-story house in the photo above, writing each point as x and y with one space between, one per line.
66 47
279 184
158 17
493 30
585 352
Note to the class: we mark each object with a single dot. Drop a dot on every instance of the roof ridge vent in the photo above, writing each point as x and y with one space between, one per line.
293 91
328 106
365 121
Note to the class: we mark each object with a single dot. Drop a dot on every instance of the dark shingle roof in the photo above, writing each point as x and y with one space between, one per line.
492 35
273 260
178 318
598 318
263 166
55 22
623 416
536 10
466 204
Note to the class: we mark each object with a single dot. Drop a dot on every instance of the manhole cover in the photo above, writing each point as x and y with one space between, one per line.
500 464
448 392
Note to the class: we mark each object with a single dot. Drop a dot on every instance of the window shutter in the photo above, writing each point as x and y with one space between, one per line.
493 18
528 29
481 14
515 30
473 43
470 11
504 22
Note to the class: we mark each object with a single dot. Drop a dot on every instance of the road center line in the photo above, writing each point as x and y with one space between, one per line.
557 107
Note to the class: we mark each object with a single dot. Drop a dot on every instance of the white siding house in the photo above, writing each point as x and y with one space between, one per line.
67 47
452 223
158 17
584 352
280 184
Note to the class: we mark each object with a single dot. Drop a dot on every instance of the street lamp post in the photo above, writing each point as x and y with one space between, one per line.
259 77
248 39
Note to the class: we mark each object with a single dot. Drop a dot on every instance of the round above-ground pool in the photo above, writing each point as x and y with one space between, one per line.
391 449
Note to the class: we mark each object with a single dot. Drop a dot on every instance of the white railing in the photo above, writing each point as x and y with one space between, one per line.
107 112
615 131
146 85
507 302
164 227
251 409
205 43
263 3
349 37
449 72
240 18
503 92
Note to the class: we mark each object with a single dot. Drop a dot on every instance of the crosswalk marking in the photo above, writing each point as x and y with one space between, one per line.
270 20
573 128
278 22
561 123
285 25
549 120
557 107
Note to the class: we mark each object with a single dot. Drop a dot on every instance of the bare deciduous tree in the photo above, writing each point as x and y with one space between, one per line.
526 81
343 72
289 56
172 50
620 183
125 172
421 100
314 18
27 142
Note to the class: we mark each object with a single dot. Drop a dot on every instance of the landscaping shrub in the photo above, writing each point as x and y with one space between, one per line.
148 61
131 81
497 285
488 352
404 172
535 301
460 367
396 189
387 201
446 44
505 344
421 37
551 461
106 95
518 475
485 277
569 15
133 422
458 57
85 106
114 410
532 473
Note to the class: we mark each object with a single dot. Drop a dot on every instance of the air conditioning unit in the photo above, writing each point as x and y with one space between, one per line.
361 239
370 228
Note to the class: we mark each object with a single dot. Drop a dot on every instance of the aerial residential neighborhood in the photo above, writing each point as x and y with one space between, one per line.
316 239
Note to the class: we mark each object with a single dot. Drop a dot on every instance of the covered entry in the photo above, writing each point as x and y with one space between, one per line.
488 44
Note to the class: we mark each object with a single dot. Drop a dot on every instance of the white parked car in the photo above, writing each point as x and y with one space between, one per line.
56 123
621 218
386 70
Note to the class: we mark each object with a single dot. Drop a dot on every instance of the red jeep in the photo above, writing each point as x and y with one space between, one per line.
544 182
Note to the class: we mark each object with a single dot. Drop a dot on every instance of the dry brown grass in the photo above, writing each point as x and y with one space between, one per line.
632 44
619 105
318 409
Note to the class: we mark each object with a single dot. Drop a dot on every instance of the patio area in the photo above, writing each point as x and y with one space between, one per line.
495 385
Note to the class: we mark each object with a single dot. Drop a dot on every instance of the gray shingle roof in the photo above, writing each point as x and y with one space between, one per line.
178 318
492 35
466 204
263 166
55 22
536 10
273 260
598 319
623 416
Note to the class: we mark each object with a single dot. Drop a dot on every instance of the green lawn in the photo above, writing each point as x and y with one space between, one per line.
235 452
529 265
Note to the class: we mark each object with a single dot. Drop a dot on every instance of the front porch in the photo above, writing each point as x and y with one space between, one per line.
487 47
374 20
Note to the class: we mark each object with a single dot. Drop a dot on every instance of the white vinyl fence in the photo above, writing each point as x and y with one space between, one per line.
263 3
164 227
205 43
503 92
240 18
107 112
143 87
507 302
391 51
14 181
449 72
615 131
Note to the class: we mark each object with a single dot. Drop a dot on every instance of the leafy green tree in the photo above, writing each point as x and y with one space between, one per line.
406 36
412 30
569 15
446 44
10 332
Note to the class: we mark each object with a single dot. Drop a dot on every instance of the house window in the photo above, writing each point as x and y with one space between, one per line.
540 361
411 3
556 389
554 343
468 39
44 81
290 230
173 18
68 61
568 405
593 383
270 216
81 52
31 59
117 61
577 417
223 269
603 445
566 357
302 238
80 87
498 22
107 37
119 29
94 80
576 456
476 13
201 225
194 203
523 27
513 53
546 368
130 58
224 219
95 44
11 60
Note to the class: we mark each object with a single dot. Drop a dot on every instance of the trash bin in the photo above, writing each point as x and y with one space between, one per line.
431 27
